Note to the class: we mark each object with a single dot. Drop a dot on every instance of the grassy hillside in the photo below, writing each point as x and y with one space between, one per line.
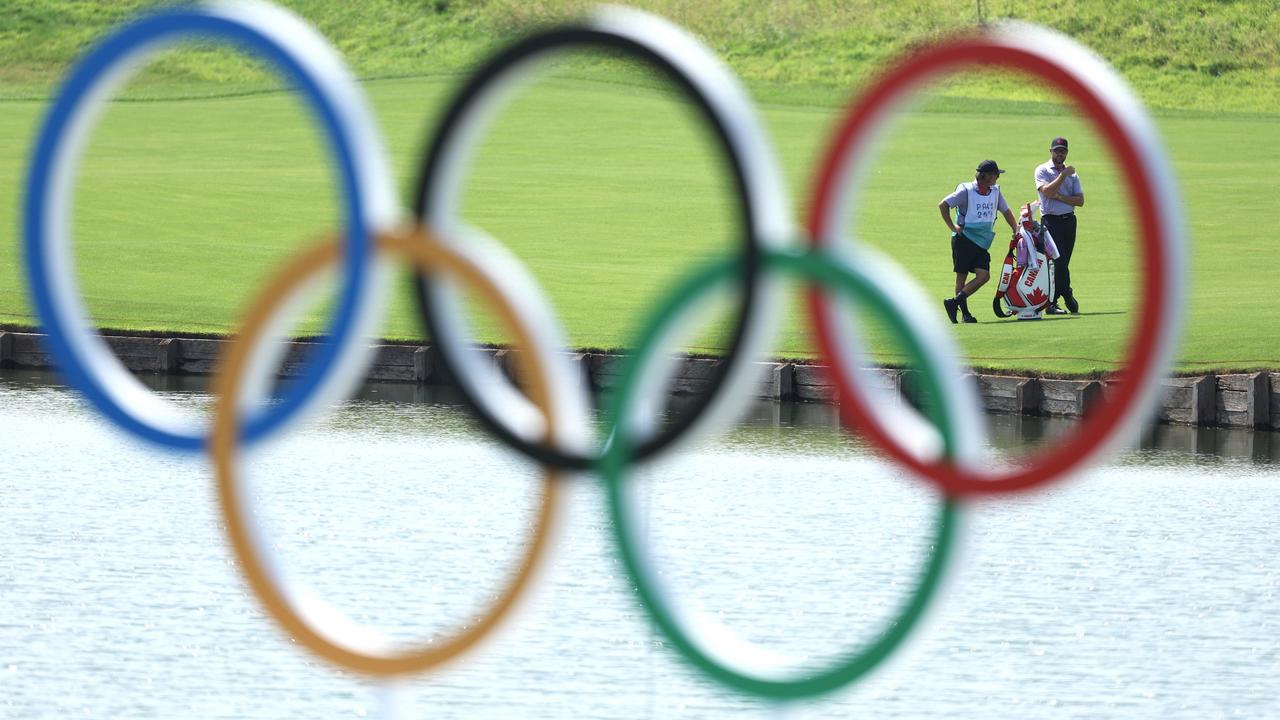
1200 55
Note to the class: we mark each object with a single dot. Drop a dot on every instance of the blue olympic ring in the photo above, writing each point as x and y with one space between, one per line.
47 168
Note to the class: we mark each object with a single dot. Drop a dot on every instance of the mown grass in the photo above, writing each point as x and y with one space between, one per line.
603 185
609 193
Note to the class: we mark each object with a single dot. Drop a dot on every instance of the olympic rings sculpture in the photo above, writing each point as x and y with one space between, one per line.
547 420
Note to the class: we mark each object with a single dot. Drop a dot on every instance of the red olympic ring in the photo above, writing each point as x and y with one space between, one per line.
1102 422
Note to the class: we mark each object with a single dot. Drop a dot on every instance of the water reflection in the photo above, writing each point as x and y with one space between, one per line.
1146 589
1159 444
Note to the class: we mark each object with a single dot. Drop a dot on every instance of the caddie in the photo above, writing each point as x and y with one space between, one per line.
976 204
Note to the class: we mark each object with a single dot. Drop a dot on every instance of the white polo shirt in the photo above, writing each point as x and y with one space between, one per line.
1047 173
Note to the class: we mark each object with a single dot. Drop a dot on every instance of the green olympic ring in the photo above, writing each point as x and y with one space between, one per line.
845 278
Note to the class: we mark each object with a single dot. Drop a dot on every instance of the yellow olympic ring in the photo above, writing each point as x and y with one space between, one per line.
427 254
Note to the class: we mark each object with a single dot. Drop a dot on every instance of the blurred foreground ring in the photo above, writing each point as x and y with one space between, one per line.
721 104
317 626
1104 98
307 62
699 638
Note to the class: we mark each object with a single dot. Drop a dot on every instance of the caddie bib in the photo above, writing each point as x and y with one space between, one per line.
980 215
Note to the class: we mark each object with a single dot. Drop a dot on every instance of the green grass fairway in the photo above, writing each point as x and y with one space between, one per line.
609 192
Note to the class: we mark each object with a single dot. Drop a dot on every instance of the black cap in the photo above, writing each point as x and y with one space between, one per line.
989 166
1058 142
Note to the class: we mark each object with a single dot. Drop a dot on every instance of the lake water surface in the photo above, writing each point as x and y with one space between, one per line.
1143 589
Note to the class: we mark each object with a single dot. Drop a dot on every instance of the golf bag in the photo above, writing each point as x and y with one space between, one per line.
1026 280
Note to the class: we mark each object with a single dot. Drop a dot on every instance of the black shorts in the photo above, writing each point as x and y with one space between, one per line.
967 257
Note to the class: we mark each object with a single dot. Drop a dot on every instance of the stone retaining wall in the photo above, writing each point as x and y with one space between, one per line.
1235 400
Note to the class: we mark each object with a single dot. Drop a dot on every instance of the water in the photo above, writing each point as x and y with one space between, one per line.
1147 588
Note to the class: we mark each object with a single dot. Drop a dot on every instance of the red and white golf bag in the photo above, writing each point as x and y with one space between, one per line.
1026 280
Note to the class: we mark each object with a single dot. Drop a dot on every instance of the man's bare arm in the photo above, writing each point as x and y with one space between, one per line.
1050 189
1072 200
945 209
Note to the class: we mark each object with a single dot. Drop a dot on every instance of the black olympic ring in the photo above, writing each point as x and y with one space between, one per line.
459 119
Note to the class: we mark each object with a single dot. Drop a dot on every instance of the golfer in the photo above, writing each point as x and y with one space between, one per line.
976 204
1060 195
